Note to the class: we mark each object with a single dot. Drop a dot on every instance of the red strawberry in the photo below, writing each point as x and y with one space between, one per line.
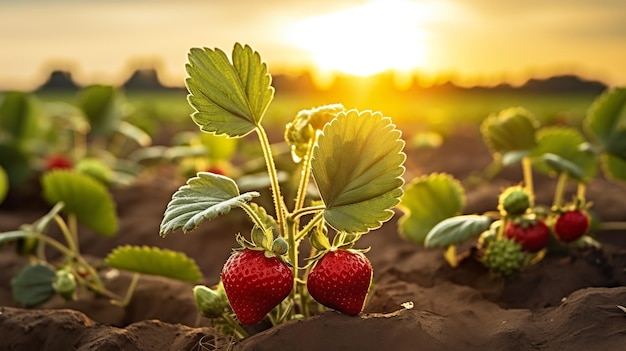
571 225
255 284
340 280
216 170
58 162
532 236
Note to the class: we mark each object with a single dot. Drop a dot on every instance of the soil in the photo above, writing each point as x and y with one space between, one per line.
565 302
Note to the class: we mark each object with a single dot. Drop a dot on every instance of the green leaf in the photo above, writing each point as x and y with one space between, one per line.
16 163
134 133
205 196
427 201
20 117
568 145
455 230
614 167
510 130
561 165
4 184
33 285
228 98
357 165
83 196
154 261
101 108
606 116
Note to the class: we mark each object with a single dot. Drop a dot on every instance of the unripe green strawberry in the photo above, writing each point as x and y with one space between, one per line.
504 257
255 284
571 225
340 280
65 284
514 201
210 303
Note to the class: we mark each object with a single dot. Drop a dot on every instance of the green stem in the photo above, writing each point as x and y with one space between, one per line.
279 204
130 291
312 223
239 331
293 256
560 190
253 215
528 178
581 191
307 210
97 286
305 174
67 234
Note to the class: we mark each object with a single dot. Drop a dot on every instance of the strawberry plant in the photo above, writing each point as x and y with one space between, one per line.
94 135
79 199
356 162
520 231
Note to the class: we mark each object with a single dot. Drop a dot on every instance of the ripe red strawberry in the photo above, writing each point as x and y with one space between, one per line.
532 236
255 284
571 225
216 170
340 280
58 162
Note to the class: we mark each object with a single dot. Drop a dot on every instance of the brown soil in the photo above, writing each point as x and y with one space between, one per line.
566 302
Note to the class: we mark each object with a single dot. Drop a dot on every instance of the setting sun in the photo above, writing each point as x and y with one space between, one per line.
366 39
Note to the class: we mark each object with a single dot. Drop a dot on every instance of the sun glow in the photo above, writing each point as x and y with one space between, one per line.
367 39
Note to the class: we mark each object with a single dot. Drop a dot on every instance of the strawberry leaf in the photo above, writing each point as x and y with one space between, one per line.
614 167
83 196
102 108
455 230
427 201
228 98
205 196
571 157
357 165
154 261
33 285
4 184
606 121
511 130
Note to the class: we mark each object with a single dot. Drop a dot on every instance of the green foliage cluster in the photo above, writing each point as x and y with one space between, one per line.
433 205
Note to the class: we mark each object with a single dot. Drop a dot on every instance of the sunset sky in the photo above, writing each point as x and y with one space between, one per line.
468 41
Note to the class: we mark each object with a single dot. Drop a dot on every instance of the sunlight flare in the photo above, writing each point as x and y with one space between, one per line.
367 39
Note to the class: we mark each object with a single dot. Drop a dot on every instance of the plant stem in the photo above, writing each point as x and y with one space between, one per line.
305 174
67 233
253 215
312 223
279 204
307 210
580 191
560 189
293 256
528 178
131 290
238 330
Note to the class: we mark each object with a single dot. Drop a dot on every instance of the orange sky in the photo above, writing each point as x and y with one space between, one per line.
472 41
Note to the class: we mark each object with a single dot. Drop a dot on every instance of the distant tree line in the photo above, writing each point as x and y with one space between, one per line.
147 80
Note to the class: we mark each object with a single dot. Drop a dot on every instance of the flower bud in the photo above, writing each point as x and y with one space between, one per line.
65 284
209 302
280 246
514 201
